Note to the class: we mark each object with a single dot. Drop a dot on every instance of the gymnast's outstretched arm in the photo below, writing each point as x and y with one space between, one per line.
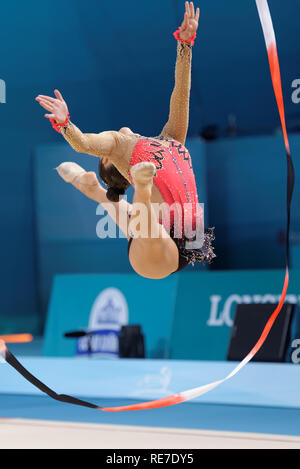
102 144
177 125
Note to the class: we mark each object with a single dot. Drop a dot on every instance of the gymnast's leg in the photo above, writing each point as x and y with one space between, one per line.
88 184
153 255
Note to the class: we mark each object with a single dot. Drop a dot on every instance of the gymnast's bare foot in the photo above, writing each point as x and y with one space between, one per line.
142 176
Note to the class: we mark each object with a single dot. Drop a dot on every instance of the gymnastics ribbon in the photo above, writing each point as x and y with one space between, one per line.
266 21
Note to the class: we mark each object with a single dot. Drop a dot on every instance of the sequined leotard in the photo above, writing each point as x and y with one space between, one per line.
174 179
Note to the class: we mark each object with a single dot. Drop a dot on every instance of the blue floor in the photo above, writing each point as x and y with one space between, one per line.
284 421
262 398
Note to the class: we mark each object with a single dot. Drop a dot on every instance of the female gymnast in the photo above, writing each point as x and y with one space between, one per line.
159 169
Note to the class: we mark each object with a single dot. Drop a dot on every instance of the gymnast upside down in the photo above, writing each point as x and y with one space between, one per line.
159 169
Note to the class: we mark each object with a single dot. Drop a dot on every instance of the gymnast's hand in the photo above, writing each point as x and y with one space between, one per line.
56 106
190 23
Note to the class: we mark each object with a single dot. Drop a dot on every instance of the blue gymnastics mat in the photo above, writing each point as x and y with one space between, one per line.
262 398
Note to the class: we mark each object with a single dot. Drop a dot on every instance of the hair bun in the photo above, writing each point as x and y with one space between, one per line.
113 194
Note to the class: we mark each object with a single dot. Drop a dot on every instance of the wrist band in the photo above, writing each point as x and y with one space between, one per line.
56 126
187 41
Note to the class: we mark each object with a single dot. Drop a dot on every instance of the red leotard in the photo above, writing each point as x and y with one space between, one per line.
174 178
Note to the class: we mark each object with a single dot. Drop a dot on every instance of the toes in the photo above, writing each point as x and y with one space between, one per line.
144 167
85 182
143 172
69 171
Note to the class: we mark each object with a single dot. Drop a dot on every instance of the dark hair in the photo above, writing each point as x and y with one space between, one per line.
114 180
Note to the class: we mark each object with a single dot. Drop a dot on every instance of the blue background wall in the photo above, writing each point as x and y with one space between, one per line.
247 200
113 61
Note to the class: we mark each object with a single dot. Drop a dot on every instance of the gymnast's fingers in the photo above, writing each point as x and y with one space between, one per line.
45 101
185 22
48 98
45 105
58 95
187 9
192 10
